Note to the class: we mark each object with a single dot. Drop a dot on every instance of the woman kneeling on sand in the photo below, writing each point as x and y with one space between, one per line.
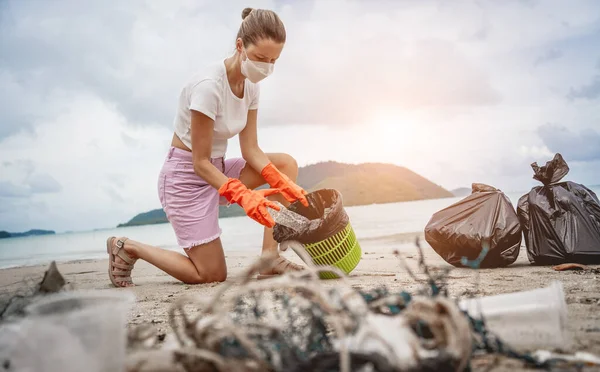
216 105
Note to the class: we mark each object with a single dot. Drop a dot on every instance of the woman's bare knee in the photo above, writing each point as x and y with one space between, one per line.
209 260
212 277
215 276
286 163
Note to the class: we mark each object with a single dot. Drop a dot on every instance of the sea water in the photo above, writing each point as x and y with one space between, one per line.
240 234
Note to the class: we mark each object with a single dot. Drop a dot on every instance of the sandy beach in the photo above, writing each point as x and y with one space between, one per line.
156 291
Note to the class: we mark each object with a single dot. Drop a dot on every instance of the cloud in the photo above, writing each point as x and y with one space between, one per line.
574 146
90 91
412 55
17 169
38 184
10 190
43 184
20 179
431 73
113 193
589 91
548 56
125 64
61 148
529 3
28 184
138 63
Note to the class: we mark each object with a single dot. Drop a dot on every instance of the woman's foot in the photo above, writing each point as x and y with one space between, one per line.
280 266
120 262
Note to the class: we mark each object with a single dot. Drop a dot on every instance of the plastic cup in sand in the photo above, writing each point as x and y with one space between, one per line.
524 320
36 345
97 319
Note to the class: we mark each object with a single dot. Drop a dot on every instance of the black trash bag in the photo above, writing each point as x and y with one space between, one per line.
560 221
326 212
460 230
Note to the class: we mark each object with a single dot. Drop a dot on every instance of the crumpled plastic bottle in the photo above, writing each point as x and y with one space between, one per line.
288 218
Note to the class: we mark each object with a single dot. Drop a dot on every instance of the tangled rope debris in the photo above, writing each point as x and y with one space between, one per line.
296 323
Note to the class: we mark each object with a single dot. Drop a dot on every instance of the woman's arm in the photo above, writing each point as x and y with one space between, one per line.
251 152
261 163
202 132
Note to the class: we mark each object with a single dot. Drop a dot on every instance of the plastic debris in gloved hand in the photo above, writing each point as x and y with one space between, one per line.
290 219
560 220
328 238
326 214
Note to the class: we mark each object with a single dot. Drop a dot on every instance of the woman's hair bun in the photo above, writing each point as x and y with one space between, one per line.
245 12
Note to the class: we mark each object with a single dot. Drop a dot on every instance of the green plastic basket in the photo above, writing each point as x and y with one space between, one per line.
340 250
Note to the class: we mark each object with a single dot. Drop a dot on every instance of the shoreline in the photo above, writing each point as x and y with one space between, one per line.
46 264
122 225
407 237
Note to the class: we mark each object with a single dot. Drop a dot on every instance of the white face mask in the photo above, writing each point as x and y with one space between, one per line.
255 71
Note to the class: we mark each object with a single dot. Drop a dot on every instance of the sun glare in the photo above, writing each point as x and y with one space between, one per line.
394 135
396 126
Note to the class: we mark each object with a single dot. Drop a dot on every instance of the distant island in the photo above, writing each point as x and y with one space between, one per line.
6 234
156 216
462 191
362 184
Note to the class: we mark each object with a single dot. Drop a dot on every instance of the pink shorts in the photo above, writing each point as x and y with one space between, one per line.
190 203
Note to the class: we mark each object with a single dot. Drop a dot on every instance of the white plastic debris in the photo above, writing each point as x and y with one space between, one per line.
388 336
32 345
395 337
96 320
579 357
525 320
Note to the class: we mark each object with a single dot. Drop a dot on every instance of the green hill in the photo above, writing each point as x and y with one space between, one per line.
158 216
147 218
370 183
359 185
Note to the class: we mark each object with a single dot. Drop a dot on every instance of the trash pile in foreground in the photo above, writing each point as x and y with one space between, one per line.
295 322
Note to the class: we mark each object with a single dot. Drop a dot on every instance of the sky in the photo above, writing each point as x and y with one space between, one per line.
459 92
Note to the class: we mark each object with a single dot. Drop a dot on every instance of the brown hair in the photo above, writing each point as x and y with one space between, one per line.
260 24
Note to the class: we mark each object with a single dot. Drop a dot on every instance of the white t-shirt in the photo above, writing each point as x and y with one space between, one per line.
209 93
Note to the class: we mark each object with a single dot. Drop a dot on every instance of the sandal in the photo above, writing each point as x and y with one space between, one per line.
119 278
280 266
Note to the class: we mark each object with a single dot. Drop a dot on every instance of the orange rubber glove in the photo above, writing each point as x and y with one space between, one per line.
290 191
254 202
